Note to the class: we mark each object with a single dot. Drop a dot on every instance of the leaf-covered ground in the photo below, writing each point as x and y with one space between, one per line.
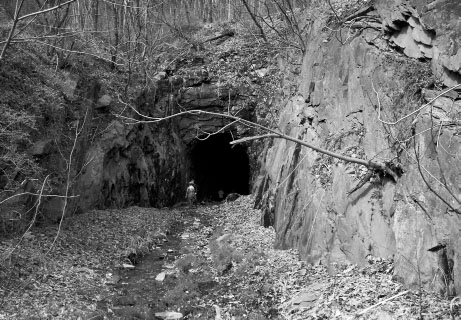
223 267
68 281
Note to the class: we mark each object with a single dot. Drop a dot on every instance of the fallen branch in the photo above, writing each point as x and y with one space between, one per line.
36 194
381 302
360 13
225 34
78 52
246 139
306 144
429 186
371 164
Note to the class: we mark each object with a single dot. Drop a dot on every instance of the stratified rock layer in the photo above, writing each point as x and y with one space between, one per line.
342 88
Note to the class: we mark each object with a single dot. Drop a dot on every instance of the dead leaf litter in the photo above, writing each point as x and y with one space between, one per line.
226 268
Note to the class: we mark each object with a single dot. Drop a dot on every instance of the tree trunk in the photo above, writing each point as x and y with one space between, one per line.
209 11
116 37
95 14
187 9
253 17
229 10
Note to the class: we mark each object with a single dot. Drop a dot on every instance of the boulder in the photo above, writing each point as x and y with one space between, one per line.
69 85
104 101
232 197
52 208
42 147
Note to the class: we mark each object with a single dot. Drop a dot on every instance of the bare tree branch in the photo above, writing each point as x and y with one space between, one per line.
17 19
371 164
34 194
45 11
78 52
381 302
68 180
246 139
411 113
37 205
429 186
13 27
253 17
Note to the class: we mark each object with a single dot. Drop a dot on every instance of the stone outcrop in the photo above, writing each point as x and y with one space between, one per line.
344 91
426 29
148 164
134 164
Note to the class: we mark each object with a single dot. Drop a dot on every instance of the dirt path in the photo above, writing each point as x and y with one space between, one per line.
140 292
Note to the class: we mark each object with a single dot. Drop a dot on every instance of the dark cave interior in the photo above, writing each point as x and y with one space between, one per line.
215 165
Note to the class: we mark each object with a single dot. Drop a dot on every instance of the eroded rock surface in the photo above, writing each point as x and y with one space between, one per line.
148 164
341 91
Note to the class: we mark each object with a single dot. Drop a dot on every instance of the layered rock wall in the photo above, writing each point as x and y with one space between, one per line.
346 90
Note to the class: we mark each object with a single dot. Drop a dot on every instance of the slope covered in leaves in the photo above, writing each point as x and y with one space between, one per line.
223 267
65 279
255 281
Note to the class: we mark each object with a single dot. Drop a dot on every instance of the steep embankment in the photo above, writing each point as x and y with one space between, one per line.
356 86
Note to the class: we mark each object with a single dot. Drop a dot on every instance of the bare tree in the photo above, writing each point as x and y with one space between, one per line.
279 21
17 18
253 16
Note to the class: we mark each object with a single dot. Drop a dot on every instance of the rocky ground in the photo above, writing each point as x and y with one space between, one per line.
210 262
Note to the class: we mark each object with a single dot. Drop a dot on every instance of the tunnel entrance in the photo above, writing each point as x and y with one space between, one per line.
216 165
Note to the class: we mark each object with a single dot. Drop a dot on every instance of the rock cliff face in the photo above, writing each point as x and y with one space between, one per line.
350 98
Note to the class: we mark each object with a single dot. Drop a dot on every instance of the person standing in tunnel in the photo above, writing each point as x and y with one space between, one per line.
191 193
221 195
195 187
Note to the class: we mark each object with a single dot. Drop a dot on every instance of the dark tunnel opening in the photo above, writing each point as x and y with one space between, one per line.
217 165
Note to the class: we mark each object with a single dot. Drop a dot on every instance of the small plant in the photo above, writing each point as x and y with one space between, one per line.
136 248
186 263
186 289
377 194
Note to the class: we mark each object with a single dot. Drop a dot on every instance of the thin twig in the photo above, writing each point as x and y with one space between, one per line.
78 52
37 206
428 185
209 134
35 194
68 181
246 139
334 11
314 219
46 10
411 113
13 27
